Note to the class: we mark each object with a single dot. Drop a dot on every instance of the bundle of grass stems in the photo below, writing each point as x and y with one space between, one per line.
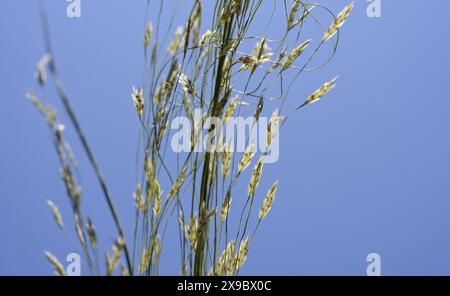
206 67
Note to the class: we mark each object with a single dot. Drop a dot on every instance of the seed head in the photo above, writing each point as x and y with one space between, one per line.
138 99
294 55
259 56
226 262
177 40
157 204
124 271
91 233
322 91
192 230
57 266
113 262
242 253
148 35
247 157
56 214
256 176
338 22
277 63
79 231
178 183
226 159
139 200
272 127
205 37
230 111
268 201
292 14
40 74
187 85
225 208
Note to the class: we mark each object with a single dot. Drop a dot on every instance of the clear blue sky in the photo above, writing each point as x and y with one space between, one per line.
365 170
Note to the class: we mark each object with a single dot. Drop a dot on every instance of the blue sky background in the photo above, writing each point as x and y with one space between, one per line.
366 170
